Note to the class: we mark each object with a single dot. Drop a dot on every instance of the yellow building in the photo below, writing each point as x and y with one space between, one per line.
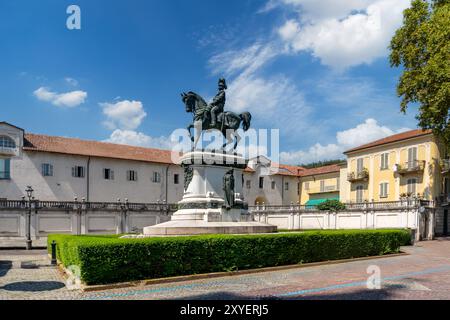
319 184
402 165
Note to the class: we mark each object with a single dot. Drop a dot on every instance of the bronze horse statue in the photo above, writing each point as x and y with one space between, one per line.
227 123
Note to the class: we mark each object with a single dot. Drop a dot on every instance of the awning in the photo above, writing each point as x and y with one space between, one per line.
316 202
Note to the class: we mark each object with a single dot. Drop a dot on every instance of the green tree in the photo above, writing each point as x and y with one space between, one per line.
331 205
422 47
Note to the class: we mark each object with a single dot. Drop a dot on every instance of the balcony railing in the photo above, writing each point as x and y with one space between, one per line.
411 167
358 176
8 151
326 189
351 206
99 206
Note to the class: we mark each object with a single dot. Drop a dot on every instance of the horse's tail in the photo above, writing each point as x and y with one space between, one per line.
246 118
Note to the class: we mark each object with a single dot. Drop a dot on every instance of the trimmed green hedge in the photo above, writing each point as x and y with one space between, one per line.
110 259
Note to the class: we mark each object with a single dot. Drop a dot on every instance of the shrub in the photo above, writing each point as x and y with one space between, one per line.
331 205
110 259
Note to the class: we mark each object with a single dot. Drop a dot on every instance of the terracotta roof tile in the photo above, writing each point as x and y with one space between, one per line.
37 142
288 170
394 138
72 146
321 170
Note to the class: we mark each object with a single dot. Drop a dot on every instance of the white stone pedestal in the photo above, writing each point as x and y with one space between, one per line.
202 209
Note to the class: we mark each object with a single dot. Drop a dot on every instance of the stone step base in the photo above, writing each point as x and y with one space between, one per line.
177 228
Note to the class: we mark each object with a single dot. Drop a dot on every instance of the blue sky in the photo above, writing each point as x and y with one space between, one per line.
316 70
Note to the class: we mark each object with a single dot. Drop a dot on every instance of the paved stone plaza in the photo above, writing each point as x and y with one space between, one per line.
423 274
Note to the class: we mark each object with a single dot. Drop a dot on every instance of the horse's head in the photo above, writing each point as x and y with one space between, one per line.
191 100
188 100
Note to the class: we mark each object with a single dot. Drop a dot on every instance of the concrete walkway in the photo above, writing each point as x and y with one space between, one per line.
19 243
424 274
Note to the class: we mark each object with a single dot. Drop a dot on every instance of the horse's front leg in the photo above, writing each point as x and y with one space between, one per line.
237 139
198 133
227 135
189 130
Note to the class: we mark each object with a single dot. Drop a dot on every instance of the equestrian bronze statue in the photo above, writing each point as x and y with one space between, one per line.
213 117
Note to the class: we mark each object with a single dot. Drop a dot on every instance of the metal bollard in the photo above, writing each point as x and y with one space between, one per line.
53 262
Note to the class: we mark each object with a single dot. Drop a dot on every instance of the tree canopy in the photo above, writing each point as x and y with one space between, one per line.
422 47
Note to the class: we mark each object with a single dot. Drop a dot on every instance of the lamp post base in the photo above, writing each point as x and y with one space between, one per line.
29 245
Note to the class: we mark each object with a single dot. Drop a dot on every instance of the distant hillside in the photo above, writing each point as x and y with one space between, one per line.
321 163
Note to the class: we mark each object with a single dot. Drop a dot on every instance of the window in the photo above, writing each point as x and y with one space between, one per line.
359 194
248 184
384 190
47 170
131 175
78 172
274 184
5 165
384 161
286 186
412 183
156 177
338 183
176 178
360 165
261 182
108 174
412 157
7 142
307 186
322 186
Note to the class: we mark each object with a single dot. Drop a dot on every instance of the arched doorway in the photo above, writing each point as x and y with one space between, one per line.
260 200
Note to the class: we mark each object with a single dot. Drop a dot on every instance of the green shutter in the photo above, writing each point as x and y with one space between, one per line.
7 169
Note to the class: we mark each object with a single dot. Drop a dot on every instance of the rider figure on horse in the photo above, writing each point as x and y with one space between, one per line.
218 103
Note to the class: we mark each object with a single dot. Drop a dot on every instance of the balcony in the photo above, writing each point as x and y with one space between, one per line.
411 167
326 189
445 166
6 151
362 175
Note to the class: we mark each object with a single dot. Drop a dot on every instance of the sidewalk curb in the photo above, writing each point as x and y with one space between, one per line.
140 283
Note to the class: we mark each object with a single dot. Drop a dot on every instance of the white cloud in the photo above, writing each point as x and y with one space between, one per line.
73 82
248 60
134 138
68 99
343 33
363 133
125 114
272 100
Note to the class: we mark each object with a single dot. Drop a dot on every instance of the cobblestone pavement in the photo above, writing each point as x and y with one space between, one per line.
423 274
29 275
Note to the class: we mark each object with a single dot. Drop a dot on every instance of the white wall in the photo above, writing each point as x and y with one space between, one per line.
277 196
62 186
26 170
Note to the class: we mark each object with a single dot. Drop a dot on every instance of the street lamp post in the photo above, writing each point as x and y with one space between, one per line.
29 192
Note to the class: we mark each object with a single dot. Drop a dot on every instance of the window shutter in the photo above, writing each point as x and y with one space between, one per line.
51 170
360 165
73 171
8 168
111 174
